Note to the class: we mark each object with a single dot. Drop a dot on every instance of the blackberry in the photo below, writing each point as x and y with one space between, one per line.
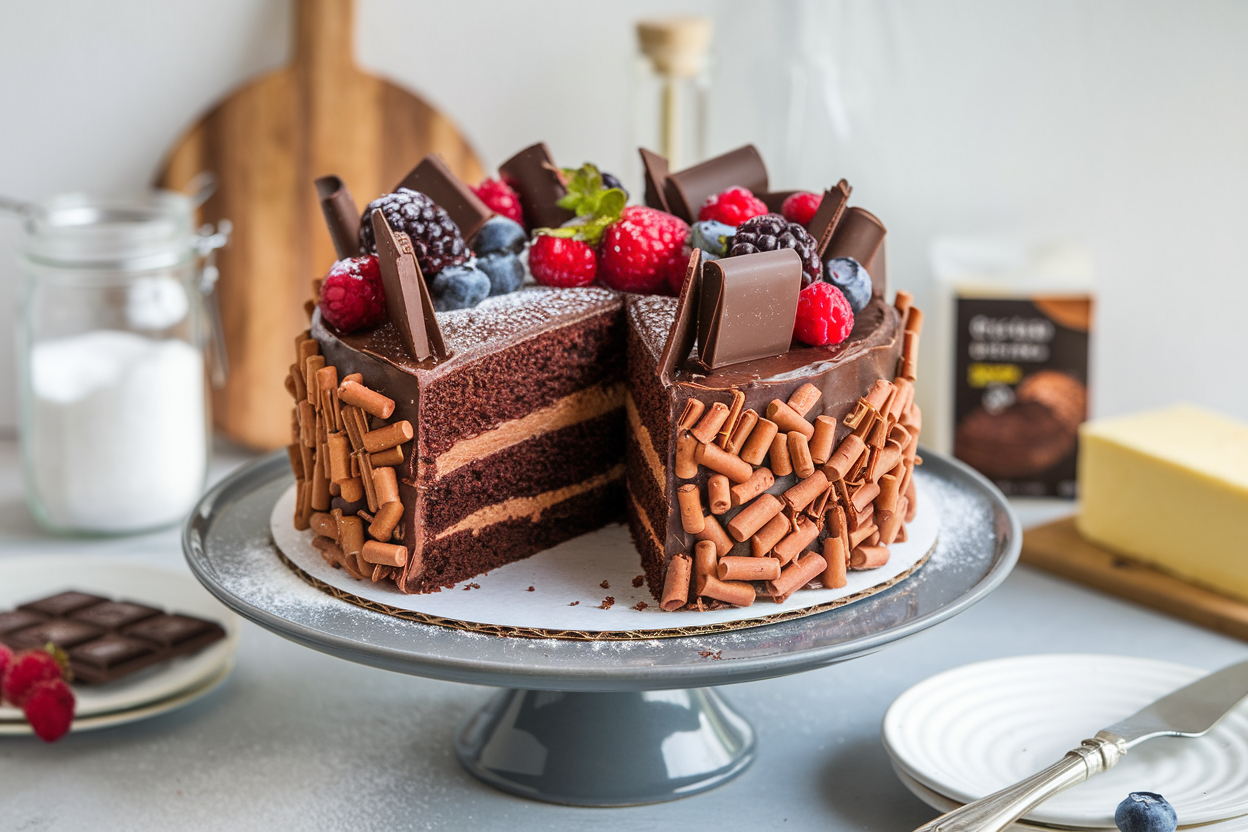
435 236
609 181
771 232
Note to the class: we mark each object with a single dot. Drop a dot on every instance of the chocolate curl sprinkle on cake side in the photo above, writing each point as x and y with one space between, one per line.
343 453
851 501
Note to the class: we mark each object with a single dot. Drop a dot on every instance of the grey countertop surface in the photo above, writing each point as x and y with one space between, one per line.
299 739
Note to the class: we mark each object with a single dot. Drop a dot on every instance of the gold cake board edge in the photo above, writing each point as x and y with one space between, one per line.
595 635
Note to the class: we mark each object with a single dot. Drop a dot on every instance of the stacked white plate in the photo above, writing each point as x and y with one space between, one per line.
149 692
974 730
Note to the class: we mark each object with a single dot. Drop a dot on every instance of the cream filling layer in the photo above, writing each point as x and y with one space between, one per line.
578 407
645 521
530 507
647 446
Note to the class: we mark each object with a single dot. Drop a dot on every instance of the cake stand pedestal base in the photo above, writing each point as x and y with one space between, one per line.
606 749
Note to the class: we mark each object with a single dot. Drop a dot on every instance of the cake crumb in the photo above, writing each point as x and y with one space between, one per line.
574 603
605 585
713 655
638 581
639 606
607 603
530 589
471 586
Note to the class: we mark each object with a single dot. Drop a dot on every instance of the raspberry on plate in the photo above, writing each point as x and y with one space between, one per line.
49 708
352 295
27 669
640 251
501 199
562 261
824 317
801 207
6 659
732 207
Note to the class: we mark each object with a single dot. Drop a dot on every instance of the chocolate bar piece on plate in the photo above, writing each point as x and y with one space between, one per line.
104 639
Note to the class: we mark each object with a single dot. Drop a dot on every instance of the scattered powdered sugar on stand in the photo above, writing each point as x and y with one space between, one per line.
119 438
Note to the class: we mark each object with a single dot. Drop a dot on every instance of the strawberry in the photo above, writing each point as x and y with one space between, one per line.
501 199
641 250
49 708
824 316
27 669
801 207
352 296
732 207
562 261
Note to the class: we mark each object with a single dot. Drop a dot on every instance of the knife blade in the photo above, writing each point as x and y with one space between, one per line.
1190 711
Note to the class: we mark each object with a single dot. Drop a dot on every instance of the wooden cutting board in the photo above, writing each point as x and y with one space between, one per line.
1058 547
266 143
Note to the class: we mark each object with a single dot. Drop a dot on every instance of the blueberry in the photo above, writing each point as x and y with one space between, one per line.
852 279
1145 812
712 237
609 181
499 234
505 270
459 287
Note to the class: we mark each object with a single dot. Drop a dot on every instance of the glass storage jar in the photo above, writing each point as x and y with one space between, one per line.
111 332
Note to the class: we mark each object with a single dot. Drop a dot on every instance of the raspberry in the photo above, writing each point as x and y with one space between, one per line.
501 199
6 659
352 296
823 316
49 708
732 207
562 261
434 235
27 669
642 250
801 207
771 232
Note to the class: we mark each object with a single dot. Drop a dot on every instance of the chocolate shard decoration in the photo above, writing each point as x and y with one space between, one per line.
341 216
656 170
831 210
687 190
747 307
435 180
860 235
408 304
538 182
774 200
684 331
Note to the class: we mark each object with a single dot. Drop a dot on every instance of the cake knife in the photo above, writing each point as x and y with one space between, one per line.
1188 712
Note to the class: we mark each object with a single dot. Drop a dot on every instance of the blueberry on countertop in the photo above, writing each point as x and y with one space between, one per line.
712 237
505 270
1145 812
459 287
499 234
846 274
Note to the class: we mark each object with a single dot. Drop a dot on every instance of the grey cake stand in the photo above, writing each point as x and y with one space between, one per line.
603 723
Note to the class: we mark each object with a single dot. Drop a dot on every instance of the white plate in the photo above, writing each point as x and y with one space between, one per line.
164 706
566 586
29 578
976 729
943 804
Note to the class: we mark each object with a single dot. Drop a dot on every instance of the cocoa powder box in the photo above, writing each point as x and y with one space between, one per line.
1017 386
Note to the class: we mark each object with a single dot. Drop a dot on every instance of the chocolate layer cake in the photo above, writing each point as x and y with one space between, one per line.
519 433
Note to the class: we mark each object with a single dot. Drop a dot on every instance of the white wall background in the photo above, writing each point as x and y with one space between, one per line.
1122 124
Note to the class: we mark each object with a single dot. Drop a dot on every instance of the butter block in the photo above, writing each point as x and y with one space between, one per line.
1170 488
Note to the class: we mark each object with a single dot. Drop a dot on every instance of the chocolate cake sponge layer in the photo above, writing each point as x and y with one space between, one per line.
544 463
464 555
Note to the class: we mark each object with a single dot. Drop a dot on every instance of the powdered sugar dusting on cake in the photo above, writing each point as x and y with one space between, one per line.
652 315
529 309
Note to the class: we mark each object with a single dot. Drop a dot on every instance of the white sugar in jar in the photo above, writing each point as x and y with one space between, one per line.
114 406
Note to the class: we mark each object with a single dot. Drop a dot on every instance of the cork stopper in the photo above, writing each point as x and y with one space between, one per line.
676 45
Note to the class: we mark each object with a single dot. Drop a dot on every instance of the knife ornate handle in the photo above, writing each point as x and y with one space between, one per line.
999 810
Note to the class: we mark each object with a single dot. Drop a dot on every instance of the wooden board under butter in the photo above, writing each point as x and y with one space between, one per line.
1059 548
266 143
